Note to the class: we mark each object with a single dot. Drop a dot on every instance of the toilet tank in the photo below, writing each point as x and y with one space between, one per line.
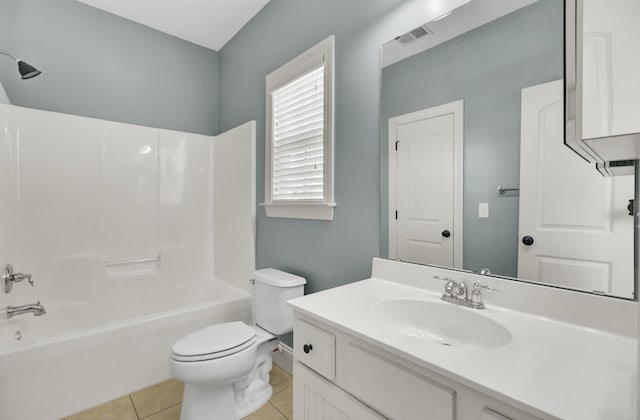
273 288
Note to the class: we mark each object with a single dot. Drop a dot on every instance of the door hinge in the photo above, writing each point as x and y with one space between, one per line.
397 141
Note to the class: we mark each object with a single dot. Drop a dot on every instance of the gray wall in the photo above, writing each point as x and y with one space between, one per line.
3 38
332 253
99 65
486 67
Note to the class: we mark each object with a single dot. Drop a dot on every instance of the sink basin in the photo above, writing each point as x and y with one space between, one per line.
444 323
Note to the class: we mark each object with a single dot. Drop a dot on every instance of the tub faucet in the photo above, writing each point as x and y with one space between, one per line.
35 308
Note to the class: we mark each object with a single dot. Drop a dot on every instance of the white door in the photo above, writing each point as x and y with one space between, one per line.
578 219
425 189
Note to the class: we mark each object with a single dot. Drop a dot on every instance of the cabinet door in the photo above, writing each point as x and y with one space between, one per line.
315 398
395 390
489 414
602 86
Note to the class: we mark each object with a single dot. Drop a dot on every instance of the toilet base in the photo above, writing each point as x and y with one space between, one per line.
254 402
221 402
256 390
208 403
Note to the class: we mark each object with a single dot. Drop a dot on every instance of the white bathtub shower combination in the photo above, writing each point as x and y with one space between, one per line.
133 236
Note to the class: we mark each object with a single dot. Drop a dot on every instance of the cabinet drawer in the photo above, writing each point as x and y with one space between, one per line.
315 348
396 391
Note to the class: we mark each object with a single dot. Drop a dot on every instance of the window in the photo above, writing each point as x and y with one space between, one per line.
299 136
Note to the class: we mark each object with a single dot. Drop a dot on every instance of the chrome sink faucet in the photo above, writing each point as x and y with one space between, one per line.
35 308
456 292
460 291
485 272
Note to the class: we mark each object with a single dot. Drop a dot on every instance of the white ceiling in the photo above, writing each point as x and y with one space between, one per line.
210 23
463 19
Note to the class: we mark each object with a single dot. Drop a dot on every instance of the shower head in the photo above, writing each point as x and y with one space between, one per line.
27 71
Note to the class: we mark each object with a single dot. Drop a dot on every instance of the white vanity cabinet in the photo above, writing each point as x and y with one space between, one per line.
339 376
602 97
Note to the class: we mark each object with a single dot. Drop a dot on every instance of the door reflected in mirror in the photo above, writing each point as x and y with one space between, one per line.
475 173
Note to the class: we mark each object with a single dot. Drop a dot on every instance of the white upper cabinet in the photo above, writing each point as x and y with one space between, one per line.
602 81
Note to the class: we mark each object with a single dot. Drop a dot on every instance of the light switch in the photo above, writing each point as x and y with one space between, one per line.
483 210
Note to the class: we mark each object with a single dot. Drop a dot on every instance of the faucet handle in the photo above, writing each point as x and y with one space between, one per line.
476 296
449 287
18 277
477 286
10 277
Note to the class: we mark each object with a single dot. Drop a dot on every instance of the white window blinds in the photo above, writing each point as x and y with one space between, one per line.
297 156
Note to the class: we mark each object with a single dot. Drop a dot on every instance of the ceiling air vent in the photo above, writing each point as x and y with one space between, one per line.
414 34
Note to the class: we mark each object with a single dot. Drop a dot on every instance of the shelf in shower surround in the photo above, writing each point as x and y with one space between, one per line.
132 261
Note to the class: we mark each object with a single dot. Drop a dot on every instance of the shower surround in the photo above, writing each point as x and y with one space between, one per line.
134 236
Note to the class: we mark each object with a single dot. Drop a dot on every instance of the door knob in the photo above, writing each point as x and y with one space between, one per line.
446 233
528 240
307 348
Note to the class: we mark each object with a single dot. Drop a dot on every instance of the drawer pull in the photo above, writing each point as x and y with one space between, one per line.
307 348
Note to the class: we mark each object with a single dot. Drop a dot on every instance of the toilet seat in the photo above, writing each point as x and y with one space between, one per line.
214 342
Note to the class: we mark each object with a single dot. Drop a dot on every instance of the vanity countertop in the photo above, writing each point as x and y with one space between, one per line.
551 368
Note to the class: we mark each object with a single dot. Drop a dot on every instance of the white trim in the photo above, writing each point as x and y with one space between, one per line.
284 358
310 211
324 51
457 109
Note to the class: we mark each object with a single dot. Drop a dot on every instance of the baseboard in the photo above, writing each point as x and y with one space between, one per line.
284 359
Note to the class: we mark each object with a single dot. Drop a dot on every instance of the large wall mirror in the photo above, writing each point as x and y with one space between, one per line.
474 170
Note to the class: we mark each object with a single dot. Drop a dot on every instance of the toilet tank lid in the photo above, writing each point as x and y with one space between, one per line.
278 278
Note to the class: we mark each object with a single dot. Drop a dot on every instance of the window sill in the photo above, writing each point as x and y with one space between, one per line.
309 211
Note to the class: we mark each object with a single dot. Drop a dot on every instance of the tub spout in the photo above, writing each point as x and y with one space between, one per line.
35 308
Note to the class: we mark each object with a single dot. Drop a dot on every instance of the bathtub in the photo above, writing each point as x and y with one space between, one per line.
78 355
119 225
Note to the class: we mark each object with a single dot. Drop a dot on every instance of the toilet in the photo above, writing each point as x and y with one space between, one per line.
225 367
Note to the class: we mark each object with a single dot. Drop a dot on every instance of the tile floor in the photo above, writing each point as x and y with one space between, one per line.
163 402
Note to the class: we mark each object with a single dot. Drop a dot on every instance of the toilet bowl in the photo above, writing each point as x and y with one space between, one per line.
225 367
